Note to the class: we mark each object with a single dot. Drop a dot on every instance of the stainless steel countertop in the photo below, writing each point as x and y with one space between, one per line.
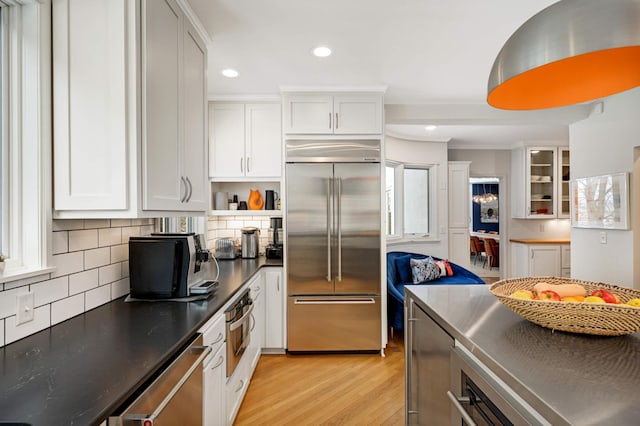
569 378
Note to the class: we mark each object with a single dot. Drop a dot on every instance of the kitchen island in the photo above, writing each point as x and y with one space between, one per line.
82 370
568 379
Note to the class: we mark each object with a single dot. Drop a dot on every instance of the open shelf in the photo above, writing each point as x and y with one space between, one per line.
275 213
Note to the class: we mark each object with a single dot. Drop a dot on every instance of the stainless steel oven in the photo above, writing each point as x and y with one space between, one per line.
480 398
238 324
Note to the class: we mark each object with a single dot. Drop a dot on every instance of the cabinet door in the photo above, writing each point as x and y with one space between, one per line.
357 114
544 260
161 79
90 125
257 328
263 140
564 178
194 117
308 114
214 392
541 182
226 147
459 246
274 315
459 195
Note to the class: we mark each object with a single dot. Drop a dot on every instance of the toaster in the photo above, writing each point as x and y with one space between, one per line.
225 248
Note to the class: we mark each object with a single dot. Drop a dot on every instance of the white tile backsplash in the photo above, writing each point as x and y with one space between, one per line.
64 309
109 236
96 297
67 263
110 273
229 227
83 281
97 257
41 320
92 268
83 240
49 291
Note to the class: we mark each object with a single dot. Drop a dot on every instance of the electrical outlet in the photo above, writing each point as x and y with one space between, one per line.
603 237
25 308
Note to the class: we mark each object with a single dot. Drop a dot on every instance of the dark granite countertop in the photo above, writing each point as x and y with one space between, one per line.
82 370
570 379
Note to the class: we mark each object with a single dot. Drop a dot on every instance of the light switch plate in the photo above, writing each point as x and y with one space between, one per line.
25 308
603 237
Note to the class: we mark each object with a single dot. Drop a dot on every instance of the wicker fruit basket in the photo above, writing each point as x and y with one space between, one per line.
576 317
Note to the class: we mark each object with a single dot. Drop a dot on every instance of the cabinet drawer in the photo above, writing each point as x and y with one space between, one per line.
236 387
213 333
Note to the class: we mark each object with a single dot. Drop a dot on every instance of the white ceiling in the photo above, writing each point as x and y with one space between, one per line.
426 52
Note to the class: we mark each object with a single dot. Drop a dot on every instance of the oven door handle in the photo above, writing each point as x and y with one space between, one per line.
238 323
206 350
457 403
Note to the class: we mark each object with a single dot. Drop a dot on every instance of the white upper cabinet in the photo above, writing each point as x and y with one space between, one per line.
129 110
337 114
246 141
536 183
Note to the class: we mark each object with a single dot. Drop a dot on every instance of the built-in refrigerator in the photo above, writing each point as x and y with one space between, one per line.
333 224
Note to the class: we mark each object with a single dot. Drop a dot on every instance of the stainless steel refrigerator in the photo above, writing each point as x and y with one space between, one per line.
333 229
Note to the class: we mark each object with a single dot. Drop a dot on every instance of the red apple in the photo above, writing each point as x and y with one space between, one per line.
549 295
605 295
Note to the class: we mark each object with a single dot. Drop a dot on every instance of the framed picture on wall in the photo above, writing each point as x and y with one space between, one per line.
489 212
600 202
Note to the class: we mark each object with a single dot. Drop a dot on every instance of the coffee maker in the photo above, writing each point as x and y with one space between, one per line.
274 249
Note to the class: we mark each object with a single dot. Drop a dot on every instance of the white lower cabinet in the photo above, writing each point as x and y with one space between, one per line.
274 337
214 389
237 386
257 328
537 260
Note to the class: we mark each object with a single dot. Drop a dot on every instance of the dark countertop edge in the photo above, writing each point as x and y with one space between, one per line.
514 384
239 277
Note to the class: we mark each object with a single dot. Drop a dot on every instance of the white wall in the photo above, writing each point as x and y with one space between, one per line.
604 143
420 152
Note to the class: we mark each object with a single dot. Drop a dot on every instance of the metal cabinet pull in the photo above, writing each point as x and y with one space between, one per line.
184 196
339 198
329 120
278 283
218 364
241 165
218 339
241 386
457 403
167 399
336 120
188 198
248 164
367 301
329 223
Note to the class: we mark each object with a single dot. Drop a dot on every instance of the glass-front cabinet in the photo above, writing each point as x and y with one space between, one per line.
564 177
541 187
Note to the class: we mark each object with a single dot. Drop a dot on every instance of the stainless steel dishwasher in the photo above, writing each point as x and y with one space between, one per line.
175 397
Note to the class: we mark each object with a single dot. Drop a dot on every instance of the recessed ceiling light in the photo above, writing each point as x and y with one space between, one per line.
430 127
230 73
322 51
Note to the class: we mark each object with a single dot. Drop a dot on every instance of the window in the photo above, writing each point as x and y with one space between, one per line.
25 104
410 215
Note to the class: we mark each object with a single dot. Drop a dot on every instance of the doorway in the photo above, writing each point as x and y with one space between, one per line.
485 206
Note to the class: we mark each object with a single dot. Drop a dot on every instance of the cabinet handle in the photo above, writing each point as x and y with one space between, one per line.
329 120
336 120
241 165
278 283
190 190
184 196
218 364
248 164
241 386
218 339
457 403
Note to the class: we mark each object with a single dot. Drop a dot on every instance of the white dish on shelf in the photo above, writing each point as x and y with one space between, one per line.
535 178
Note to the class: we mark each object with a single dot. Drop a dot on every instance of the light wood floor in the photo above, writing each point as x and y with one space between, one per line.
354 389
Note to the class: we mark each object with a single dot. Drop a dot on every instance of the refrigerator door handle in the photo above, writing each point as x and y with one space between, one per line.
339 214
329 223
334 301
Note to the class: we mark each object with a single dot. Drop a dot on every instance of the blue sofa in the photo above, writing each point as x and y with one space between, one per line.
399 275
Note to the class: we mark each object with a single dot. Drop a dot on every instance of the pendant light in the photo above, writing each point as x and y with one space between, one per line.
571 52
